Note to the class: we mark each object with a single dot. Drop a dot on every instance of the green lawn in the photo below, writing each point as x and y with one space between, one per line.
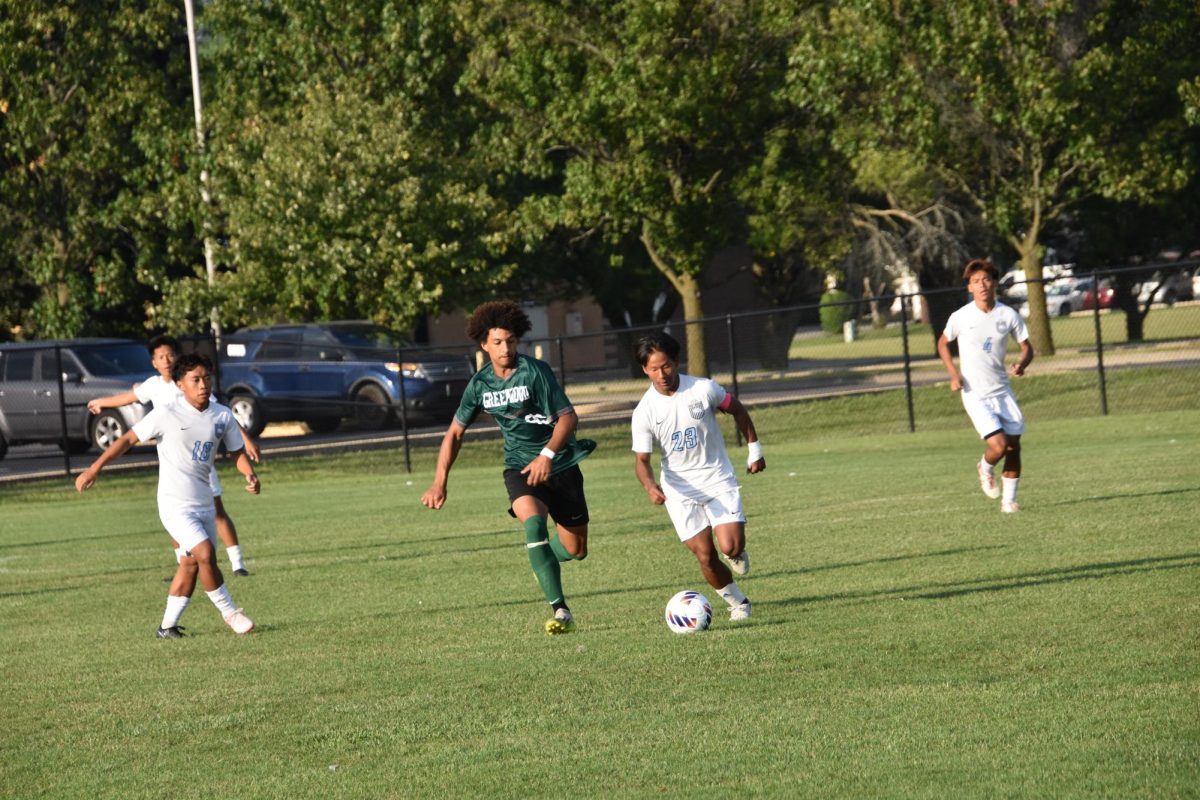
907 639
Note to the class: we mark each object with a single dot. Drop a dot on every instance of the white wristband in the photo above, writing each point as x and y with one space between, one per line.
548 453
753 452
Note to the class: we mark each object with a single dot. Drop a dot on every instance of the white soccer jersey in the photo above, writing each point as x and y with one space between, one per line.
982 341
157 391
695 464
187 446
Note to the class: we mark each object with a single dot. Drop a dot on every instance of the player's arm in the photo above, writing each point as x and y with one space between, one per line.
943 348
645 476
98 404
252 450
1019 368
538 470
85 479
741 417
241 460
435 495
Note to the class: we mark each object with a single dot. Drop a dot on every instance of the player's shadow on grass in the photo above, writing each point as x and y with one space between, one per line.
1003 583
808 570
1125 496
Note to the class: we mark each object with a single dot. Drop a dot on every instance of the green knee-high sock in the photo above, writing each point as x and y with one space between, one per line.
542 559
560 550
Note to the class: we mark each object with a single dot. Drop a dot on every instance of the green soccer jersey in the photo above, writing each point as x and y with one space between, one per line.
525 406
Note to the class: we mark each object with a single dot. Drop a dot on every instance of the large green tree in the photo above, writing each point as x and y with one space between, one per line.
657 120
96 199
1025 108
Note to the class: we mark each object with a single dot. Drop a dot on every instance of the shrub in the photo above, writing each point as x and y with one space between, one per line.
834 316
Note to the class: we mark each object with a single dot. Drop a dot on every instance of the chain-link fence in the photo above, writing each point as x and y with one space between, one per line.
1125 340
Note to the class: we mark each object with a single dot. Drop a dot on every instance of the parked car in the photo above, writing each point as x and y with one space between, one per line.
1062 297
321 373
29 391
1168 286
1087 287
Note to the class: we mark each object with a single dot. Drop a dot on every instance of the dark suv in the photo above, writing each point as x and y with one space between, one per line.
30 408
323 372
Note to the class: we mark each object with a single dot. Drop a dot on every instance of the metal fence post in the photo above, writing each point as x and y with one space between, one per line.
908 387
737 434
1099 344
562 364
62 410
403 411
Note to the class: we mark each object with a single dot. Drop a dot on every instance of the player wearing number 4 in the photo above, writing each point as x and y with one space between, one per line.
699 487
541 453
982 328
189 432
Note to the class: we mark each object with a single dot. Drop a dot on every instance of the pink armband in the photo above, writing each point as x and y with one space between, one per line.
725 403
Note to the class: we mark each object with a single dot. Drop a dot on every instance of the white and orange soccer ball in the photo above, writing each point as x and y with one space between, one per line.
688 612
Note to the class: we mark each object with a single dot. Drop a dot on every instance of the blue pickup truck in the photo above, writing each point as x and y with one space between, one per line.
322 373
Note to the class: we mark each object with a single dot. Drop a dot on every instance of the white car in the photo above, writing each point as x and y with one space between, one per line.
1062 298
1168 287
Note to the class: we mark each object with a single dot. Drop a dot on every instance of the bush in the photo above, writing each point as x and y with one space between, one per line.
833 316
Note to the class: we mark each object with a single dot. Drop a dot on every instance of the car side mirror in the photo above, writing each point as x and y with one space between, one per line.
330 355
72 377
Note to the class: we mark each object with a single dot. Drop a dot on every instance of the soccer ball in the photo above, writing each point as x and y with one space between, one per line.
688 612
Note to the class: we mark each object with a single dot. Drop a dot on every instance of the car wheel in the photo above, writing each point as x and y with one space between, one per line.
1064 310
106 429
247 411
372 410
323 424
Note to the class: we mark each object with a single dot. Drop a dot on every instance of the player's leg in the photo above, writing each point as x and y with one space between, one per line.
186 532
226 530
728 520
568 508
988 424
1014 427
532 513
692 527
213 580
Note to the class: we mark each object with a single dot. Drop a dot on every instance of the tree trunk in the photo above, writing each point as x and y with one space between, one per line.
693 309
1040 335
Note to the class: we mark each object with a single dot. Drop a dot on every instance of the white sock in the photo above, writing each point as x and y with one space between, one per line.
1010 489
178 554
175 608
732 595
986 467
235 557
221 599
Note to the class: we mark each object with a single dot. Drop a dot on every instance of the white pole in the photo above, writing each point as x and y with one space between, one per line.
209 265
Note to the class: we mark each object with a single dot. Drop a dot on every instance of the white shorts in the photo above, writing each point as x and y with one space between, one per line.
692 517
214 481
999 412
190 528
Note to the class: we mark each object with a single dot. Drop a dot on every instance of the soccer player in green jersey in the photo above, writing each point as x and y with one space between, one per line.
541 453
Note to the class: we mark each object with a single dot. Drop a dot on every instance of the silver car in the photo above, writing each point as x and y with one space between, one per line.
44 384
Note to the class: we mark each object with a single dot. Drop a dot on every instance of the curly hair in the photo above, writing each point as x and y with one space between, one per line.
503 314
189 362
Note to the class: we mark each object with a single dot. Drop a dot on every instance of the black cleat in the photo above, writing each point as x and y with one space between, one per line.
242 573
174 632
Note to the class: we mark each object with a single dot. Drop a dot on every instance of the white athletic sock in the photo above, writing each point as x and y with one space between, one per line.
1010 489
175 608
732 595
178 554
985 466
221 599
235 557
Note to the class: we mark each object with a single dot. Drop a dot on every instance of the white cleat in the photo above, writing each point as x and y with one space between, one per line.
1009 507
741 564
239 622
740 612
987 482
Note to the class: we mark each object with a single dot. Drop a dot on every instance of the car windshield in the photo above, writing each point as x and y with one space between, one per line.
104 360
365 338
1061 289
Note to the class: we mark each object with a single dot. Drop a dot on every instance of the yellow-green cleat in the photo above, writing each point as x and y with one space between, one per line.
562 622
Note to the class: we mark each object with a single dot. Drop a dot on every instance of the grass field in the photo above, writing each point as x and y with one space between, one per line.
907 639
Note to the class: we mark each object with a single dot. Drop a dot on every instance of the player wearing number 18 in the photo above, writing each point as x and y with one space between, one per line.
698 486
541 453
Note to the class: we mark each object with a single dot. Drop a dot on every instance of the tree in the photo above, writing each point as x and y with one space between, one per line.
94 214
650 115
1025 108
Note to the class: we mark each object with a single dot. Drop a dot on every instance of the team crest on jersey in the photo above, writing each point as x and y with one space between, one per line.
696 409
219 430
1001 326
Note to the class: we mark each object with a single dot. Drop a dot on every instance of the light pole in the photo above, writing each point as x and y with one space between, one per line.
209 265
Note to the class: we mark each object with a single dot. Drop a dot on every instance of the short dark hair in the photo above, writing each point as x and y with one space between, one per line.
656 343
163 339
503 314
980 265
189 362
